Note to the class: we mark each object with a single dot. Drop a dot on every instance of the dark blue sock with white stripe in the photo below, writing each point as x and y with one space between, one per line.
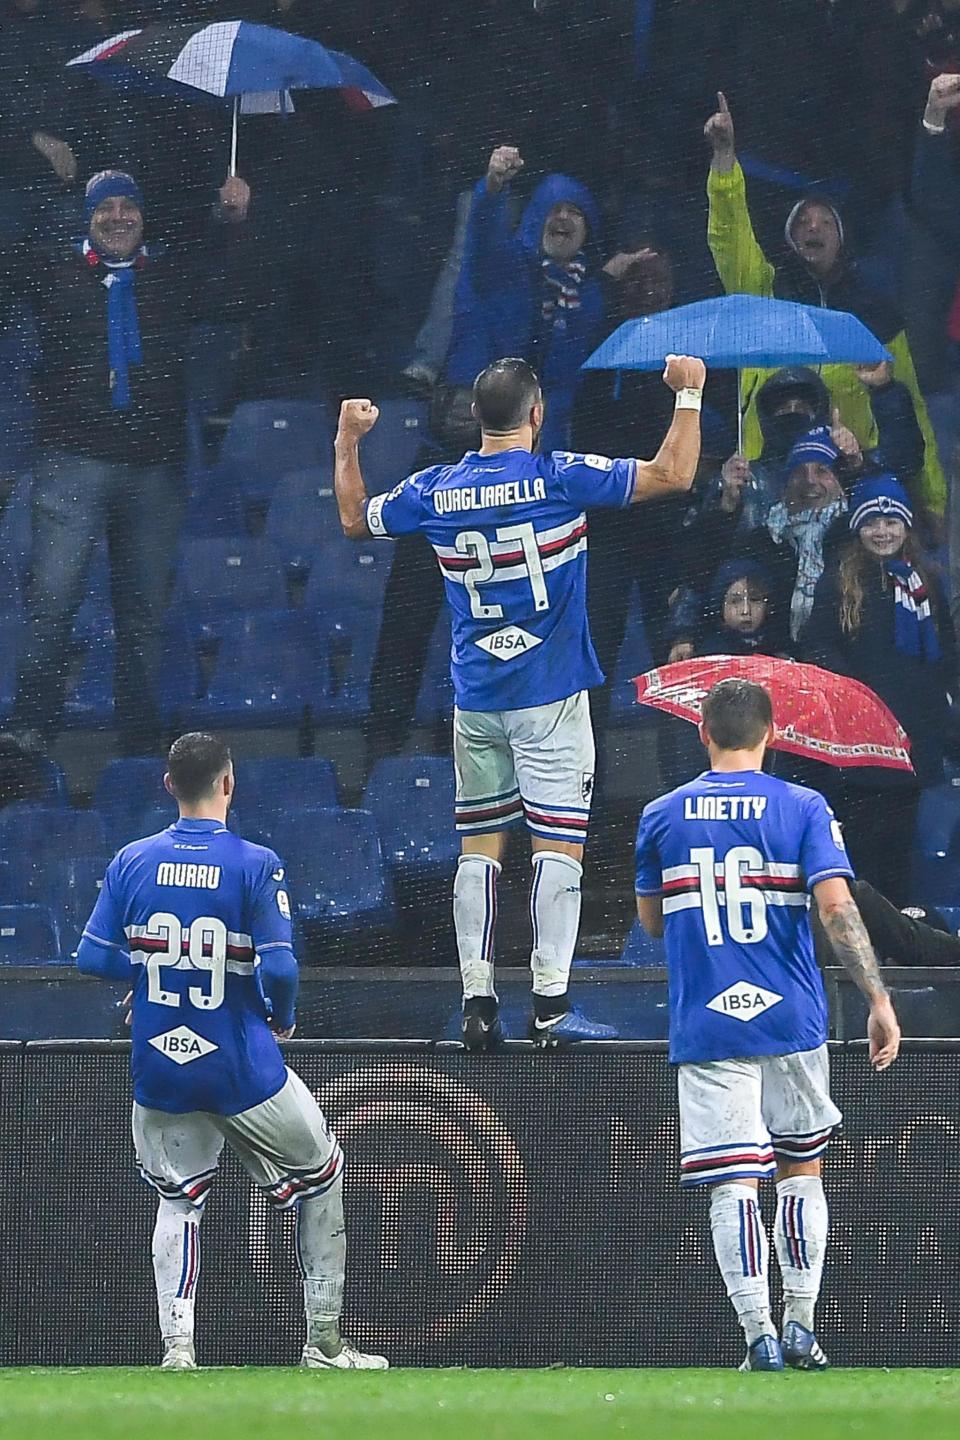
740 1245
803 1220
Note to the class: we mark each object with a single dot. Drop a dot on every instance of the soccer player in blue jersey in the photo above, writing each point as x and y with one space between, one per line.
509 530
725 868
199 921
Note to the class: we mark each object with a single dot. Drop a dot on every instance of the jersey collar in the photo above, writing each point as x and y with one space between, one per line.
210 826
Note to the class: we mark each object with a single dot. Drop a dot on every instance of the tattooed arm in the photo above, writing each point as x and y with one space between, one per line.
851 944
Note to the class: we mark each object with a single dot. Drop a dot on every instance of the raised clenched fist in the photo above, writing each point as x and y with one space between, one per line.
357 418
505 162
720 135
685 372
944 96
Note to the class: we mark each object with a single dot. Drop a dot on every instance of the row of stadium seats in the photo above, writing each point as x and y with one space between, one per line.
348 869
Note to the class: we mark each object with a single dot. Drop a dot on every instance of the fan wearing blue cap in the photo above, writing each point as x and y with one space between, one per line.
879 615
113 212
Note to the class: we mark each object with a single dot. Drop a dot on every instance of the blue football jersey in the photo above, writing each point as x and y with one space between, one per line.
195 907
510 535
735 856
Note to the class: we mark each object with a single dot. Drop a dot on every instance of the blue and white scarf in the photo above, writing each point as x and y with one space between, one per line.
561 289
914 628
123 326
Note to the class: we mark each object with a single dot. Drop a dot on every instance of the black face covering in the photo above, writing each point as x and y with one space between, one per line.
781 432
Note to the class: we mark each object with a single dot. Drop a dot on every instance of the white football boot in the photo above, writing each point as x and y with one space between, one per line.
178 1354
332 1352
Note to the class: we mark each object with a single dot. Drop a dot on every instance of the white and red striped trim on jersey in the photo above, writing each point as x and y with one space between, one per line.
753 1159
779 884
557 546
144 943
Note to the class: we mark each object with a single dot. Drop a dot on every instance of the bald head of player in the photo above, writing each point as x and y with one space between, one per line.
736 725
508 404
200 776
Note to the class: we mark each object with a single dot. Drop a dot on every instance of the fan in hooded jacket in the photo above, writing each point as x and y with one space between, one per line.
533 291
817 270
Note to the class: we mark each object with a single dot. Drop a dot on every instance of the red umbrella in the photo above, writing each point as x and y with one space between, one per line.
816 714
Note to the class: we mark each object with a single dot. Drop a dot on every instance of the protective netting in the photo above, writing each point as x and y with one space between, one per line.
170 552
517 1212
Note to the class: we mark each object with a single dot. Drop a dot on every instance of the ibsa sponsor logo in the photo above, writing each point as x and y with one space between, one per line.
182 1045
507 644
744 1001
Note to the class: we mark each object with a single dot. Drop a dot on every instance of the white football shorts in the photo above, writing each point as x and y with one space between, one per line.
738 1116
284 1144
535 765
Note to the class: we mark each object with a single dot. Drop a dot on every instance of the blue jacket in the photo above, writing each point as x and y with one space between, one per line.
499 294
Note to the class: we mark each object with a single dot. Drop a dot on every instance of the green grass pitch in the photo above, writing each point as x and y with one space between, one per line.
262 1404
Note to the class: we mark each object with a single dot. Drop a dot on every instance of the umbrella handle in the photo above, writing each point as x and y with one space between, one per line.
739 412
233 138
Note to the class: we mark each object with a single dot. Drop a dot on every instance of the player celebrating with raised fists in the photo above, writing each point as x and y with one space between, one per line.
199 921
509 530
725 868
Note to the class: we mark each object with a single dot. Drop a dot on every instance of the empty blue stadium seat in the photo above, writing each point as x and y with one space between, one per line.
127 787
640 949
303 515
270 788
54 790
29 935
89 703
938 819
228 575
352 643
270 668
344 573
935 880
268 438
43 832
951 914
70 887
411 799
389 452
335 867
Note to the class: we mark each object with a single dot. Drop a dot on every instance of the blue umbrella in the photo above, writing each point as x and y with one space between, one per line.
738 331
254 65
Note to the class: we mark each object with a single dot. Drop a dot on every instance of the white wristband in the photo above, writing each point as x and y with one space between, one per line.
931 128
689 399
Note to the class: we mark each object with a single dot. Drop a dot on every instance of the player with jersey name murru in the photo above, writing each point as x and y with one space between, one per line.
725 869
508 527
198 921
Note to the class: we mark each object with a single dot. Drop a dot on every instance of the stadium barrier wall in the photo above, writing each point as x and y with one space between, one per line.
515 1210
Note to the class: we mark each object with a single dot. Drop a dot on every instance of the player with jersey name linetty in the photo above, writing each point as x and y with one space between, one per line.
509 530
726 865
198 921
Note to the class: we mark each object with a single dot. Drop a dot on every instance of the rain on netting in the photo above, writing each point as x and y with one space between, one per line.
343 200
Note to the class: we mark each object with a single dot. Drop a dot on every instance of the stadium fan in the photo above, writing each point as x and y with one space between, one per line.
724 866
508 527
533 292
113 316
880 615
199 921
817 269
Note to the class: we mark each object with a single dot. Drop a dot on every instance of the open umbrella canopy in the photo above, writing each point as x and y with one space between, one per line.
816 713
231 58
737 331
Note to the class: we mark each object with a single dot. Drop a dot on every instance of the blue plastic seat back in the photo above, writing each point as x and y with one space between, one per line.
388 453
268 438
229 575
303 515
270 788
29 935
335 866
411 798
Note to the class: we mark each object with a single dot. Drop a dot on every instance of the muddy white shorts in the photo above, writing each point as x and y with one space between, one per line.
284 1144
738 1116
535 765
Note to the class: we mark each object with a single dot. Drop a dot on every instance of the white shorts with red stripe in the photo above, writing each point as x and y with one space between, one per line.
284 1144
737 1117
535 765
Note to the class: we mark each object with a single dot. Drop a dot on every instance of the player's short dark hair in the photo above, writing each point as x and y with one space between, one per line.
737 714
195 763
504 394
